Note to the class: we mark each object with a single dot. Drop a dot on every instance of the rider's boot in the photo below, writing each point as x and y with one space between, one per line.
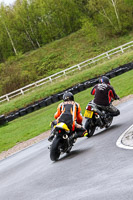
52 131
51 136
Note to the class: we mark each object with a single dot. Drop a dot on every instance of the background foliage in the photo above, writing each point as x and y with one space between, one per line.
40 37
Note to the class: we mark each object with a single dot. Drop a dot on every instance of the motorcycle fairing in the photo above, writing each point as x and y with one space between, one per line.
62 126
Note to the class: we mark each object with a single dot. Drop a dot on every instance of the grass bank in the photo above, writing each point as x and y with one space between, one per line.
37 122
58 55
65 82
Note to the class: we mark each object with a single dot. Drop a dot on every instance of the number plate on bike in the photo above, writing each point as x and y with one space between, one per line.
88 114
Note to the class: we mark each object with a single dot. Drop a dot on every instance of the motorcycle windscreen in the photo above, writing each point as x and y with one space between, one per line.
88 114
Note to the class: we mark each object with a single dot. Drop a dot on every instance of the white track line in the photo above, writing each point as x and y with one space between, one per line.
119 143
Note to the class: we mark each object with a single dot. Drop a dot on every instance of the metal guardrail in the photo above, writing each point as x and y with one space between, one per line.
52 77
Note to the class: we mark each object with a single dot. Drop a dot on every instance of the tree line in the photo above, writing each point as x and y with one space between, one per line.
29 24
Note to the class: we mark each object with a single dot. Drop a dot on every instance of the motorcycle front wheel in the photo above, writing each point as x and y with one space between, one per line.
55 149
109 123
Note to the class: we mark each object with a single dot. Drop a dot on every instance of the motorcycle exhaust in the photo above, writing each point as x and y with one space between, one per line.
97 116
65 137
99 120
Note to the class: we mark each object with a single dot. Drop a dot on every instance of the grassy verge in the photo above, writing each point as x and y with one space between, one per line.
70 80
63 53
35 123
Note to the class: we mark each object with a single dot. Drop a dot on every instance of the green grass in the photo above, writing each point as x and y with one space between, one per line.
66 52
37 122
51 58
70 80
58 55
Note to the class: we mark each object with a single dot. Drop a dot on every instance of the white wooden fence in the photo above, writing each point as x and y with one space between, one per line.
107 54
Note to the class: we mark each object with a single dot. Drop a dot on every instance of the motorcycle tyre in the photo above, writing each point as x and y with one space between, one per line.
54 150
90 130
69 149
109 123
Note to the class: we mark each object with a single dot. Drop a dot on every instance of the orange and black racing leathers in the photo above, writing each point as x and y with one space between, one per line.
69 112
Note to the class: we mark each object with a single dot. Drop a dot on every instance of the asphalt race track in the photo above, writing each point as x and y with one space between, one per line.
96 169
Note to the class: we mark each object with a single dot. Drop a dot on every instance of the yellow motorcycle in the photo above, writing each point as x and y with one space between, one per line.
61 142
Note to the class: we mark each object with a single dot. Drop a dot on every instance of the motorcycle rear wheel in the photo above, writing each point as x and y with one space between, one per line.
90 132
90 129
55 149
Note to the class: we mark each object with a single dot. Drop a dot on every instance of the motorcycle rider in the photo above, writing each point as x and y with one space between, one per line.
69 112
104 93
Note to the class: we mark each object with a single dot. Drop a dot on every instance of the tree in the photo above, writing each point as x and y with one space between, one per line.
4 14
23 13
106 11
129 2
112 15
91 30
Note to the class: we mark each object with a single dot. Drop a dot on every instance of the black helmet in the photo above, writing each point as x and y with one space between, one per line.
68 96
104 79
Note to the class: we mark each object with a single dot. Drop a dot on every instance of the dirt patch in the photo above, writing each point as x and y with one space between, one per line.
44 135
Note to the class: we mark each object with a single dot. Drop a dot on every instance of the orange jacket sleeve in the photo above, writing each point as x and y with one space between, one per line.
79 115
58 113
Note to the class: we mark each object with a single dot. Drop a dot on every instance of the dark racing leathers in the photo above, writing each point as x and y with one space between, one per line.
104 93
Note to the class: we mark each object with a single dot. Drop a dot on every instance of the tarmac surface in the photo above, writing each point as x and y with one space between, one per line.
95 169
126 139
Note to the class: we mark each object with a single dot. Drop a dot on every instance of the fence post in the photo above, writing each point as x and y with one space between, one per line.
7 98
50 79
64 73
79 67
122 50
93 61
107 55
22 92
